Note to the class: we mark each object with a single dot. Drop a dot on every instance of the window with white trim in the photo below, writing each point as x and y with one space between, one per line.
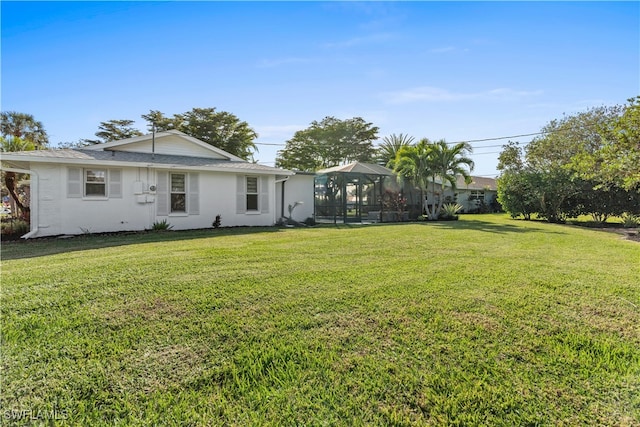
252 193
476 195
95 183
178 192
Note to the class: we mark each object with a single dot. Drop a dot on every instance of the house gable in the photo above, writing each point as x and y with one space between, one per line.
173 143
477 183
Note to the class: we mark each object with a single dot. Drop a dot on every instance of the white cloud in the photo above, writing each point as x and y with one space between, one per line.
444 49
429 94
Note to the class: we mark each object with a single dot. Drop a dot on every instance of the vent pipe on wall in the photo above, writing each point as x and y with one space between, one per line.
153 140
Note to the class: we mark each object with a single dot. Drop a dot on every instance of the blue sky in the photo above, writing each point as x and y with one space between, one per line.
453 70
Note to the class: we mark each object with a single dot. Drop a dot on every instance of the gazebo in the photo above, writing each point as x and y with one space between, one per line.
354 193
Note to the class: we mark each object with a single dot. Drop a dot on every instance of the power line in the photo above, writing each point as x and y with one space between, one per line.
448 143
499 138
489 152
476 147
492 175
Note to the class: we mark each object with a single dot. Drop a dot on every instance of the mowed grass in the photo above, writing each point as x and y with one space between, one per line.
483 321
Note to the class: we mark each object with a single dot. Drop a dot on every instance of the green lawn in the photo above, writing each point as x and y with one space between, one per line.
482 321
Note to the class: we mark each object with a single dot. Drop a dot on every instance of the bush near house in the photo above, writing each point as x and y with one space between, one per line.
12 229
481 321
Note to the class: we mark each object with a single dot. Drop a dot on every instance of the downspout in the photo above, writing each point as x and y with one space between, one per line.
33 208
282 199
283 181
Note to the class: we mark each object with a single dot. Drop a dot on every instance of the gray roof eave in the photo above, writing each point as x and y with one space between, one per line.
79 157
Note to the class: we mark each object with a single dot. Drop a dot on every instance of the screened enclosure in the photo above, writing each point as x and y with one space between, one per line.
359 192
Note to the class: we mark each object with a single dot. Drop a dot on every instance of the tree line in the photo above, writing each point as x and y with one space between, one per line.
325 143
585 163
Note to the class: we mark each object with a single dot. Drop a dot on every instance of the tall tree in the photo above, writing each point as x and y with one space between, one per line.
518 183
518 192
11 179
328 143
20 132
12 144
389 148
571 137
511 157
617 160
218 128
429 162
554 157
160 121
448 164
414 164
565 172
114 130
23 126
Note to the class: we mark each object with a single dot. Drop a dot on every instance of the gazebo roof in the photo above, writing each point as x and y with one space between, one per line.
359 167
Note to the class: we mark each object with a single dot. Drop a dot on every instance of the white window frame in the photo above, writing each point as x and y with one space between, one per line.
476 195
104 183
177 193
253 194
242 195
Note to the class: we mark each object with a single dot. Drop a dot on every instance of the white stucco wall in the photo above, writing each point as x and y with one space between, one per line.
298 188
57 214
472 205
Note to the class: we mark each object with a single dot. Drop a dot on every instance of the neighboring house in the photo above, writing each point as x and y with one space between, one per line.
133 183
478 196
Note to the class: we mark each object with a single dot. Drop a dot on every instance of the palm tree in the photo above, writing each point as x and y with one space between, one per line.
20 132
23 126
413 164
430 162
11 178
390 146
448 164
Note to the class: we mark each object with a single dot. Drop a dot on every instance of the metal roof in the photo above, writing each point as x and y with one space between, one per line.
136 159
477 183
359 167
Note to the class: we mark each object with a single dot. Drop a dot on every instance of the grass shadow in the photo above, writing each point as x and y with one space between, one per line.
33 248
492 227
476 223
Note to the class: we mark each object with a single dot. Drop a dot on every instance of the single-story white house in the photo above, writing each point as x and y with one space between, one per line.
479 195
130 184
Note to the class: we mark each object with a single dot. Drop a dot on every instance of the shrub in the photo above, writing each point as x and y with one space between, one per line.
449 211
217 221
14 228
630 220
161 226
